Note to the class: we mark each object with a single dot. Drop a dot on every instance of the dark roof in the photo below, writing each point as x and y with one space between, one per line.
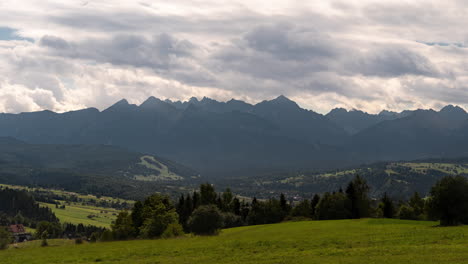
17 228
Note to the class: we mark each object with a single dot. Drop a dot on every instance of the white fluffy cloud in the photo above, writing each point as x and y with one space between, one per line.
362 54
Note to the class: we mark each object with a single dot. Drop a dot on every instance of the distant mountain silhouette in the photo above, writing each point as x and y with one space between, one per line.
218 138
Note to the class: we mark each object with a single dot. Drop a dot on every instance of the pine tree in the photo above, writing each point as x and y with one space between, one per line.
285 207
236 205
358 195
313 204
207 194
387 207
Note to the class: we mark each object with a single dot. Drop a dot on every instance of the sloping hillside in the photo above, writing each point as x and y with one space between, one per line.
97 169
341 241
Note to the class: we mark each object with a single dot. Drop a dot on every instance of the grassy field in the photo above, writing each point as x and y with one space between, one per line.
343 241
79 212
87 215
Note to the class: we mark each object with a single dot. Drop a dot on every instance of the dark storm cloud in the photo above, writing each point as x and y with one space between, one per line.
158 52
286 51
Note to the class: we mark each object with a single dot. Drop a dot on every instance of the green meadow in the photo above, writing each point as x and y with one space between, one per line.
339 241
76 213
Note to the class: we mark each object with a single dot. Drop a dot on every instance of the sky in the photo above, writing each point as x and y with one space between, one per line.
356 54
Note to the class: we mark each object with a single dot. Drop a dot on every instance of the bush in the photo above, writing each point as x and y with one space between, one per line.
173 230
78 241
333 206
5 238
44 242
407 213
206 220
123 228
106 236
94 237
231 220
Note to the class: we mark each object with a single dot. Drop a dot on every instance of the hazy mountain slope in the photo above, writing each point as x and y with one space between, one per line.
218 138
98 169
355 121
422 134
206 134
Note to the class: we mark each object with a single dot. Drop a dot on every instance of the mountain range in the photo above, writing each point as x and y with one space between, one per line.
227 138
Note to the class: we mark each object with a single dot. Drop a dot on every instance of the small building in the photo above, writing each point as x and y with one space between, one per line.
19 233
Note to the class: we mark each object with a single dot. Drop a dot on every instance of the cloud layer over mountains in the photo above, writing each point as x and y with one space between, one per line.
367 55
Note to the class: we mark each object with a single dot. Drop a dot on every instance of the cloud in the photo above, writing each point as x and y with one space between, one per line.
363 54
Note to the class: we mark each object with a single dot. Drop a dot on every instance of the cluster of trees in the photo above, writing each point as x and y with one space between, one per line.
20 207
155 217
58 198
205 211
68 230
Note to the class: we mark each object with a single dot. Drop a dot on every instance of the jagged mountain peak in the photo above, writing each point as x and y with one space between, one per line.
151 102
280 101
452 109
121 105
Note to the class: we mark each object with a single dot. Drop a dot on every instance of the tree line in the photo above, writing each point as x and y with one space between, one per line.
205 211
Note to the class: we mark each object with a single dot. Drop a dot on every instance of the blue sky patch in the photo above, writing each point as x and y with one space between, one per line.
443 44
11 34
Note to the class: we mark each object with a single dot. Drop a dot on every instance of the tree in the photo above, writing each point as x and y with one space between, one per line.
157 212
5 238
236 206
417 203
414 210
227 199
231 220
137 218
449 200
207 194
206 220
184 210
313 204
333 206
123 227
44 237
106 236
173 230
387 207
302 209
358 195
284 204
53 230
267 212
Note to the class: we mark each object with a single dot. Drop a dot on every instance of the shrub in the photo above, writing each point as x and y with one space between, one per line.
78 241
231 220
173 230
123 227
206 220
106 236
5 238
333 206
94 237
44 242
407 213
